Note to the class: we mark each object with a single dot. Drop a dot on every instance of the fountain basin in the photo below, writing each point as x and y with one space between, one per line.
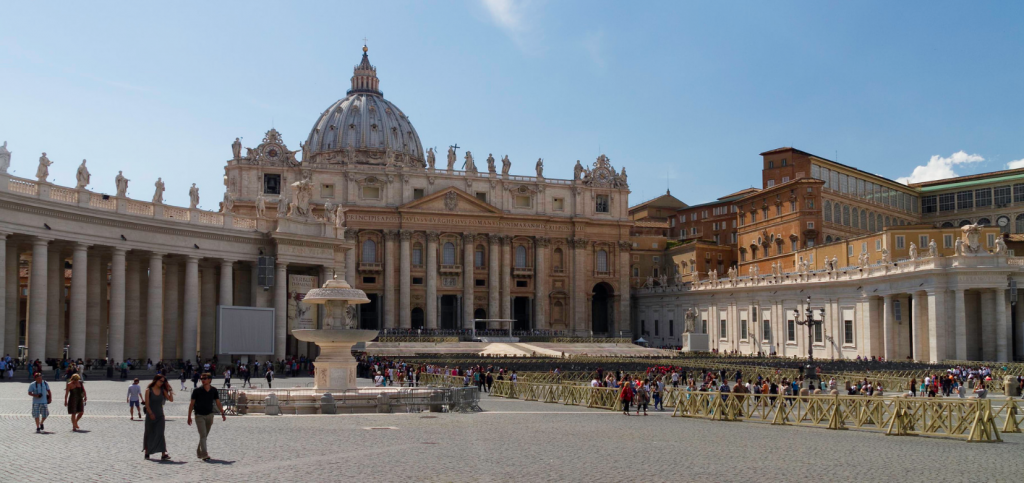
335 366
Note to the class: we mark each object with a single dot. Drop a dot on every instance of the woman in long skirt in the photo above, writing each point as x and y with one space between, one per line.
158 392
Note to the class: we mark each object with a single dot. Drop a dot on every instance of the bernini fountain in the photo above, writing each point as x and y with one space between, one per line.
335 366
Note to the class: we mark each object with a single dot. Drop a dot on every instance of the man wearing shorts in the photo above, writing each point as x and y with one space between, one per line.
40 392
134 396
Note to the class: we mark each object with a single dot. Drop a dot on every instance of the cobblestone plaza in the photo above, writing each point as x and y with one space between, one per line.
510 440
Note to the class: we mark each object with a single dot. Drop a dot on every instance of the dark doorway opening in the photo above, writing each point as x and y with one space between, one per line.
369 313
448 312
601 308
417 318
480 314
521 312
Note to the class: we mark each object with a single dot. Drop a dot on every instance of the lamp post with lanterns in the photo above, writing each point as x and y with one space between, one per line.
811 323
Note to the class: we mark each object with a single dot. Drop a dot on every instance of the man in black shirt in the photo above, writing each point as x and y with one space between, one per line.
202 403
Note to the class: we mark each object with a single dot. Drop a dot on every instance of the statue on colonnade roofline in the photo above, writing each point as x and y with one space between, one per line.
261 205
886 259
82 176
5 158
236 149
835 263
505 165
193 197
43 171
122 185
158 195
970 237
430 158
1000 246
228 203
933 249
913 251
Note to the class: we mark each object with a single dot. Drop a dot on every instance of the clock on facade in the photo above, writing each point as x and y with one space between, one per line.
1003 220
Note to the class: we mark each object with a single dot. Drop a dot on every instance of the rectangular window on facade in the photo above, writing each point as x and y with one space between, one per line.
636 271
417 257
743 256
671 328
947 241
327 191
601 205
947 201
849 250
656 259
793 245
878 245
417 193
922 241
771 183
766 326
860 188
417 280
722 329
480 282
522 284
983 197
817 334
482 196
558 204
848 332
743 329
899 241
790 328
810 225
371 192
991 240
1018 193
965 200
929 204
732 237
778 210
369 280
1001 195
522 201
785 179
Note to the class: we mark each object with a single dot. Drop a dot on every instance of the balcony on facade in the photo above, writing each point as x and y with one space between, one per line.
371 266
522 271
450 269
558 271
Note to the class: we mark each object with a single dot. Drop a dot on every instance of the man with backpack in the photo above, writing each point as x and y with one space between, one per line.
41 397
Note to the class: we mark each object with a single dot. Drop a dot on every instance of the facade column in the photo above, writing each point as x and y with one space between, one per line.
254 284
1002 326
988 329
960 327
579 276
207 312
389 279
54 267
493 276
1018 342
918 323
155 308
79 307
171 326
506 277
888 341
226 295
352 235
468 280
5 260
104 330
540 284
93 345
280 311
624 293
115 329
190 319
11 311
431 301
405 280
132 307
37 318
936 326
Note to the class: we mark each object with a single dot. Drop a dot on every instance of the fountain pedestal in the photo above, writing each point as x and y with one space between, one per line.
335 366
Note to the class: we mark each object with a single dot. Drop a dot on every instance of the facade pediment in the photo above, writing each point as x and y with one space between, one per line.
452 200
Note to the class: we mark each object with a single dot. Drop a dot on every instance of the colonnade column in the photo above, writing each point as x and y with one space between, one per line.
960 327
171 326
389 279
506 277
404 280
132 308
4 319
226 292
468 280
917 326
190 318
207 312
280 310
37 318
93 347
79 306
988 330
1002 326
493 279
155 308
54 276
431 301
115 328
540 284
12 303
936 326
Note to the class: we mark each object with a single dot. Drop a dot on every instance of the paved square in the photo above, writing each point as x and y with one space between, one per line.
511 441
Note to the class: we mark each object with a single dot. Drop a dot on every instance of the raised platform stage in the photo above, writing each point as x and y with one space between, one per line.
514 349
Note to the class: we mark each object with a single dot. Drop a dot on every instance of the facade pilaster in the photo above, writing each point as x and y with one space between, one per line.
960 324
280 311
405 280
493 276
155 308
207 312
936 326
390 299
622 324
115 329
431 301
352 235
506 277
918 324
988 325
468 280
11 298
540 285
79 304
172 324
190 318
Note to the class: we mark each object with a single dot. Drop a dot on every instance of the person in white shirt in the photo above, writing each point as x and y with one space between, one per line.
378 380
134 398
595 383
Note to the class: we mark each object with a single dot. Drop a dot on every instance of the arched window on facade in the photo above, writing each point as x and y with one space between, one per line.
479 260
556 260
846 215
369 251
856 218
985 222
949 224
888 222
448 254
837 211
828 239
827 212
1019 224
964 222
417 254
520 256
602 261
864 220
879 224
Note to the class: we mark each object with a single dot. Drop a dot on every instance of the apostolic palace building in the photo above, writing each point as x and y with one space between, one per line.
435 244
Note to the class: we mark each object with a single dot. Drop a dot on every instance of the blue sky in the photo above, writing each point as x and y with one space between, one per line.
684 94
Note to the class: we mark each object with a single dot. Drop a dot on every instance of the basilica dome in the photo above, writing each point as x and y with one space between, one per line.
363 127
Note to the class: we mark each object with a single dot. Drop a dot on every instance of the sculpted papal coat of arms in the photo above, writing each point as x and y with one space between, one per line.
451 201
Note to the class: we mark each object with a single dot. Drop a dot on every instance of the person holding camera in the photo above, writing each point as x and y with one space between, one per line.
41 398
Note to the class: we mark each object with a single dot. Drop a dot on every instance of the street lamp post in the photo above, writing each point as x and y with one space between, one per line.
811 323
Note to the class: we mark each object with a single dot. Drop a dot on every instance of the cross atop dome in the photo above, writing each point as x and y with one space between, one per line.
364 76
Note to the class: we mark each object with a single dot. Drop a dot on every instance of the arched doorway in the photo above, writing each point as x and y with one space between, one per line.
601 304
417 318
480 314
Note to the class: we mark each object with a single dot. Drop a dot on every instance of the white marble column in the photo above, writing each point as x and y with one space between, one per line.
988 325
431 301
172 326
38 300
280 311
1002 326
115 329
11 296
493 276
390 299
918 323
54 266
5 260
1018 343
155 308
207 312
624 316
226 293
540 286
506 277
960 321
936 326
132 308
93 344
79 305
468 280
190 319
104 257
405 280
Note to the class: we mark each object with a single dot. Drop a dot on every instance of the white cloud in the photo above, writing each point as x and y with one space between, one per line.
940 168
1015 164
592 44
515 17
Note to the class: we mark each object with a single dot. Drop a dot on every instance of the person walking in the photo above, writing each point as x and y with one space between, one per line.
625 396
270 376
157 393
41 398
183 378
74 400
202 403
133 398
642 395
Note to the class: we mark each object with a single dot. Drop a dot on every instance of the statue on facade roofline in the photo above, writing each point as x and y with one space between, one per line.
339 216
301 195
158 195
5 158
228 203
82 176
540 167
261 205
469 166
193 197
430 158
451 158
490 164
43 171
958 248
970 237
236 149
122 185
505 165
577 171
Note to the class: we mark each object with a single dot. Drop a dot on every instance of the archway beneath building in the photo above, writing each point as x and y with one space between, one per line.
601 304
417 318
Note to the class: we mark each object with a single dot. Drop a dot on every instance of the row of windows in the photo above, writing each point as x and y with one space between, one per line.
766 212
969 199
866 190
369 255
766 329
845 215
